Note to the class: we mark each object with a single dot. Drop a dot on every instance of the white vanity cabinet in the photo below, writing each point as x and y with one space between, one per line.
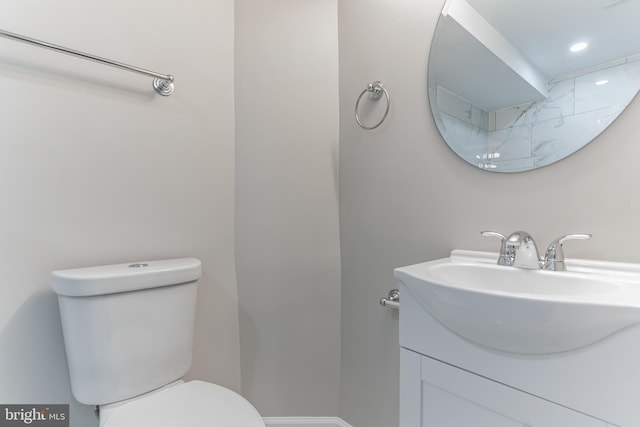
448 381
435 394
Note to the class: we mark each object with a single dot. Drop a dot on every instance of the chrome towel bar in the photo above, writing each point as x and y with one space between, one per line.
162 83
392 300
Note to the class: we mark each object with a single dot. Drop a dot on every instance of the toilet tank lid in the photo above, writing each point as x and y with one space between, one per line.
131 276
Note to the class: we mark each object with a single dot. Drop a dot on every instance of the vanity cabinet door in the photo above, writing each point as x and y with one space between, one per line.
452 397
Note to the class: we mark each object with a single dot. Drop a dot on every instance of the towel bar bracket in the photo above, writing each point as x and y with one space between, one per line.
392 300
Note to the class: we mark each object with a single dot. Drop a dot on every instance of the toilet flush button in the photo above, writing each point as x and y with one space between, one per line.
137 265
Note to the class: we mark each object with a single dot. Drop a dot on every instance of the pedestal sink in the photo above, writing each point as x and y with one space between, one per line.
526 311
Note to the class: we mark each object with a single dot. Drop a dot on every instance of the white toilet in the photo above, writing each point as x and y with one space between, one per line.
128 334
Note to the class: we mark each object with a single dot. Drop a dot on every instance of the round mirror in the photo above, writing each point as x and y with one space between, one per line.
519 84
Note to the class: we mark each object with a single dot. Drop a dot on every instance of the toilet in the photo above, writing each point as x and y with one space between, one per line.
128 335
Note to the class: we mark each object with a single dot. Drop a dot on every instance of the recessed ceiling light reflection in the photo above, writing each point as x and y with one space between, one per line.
602 82
577 47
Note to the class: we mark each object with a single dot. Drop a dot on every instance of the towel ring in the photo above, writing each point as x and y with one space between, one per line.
375 90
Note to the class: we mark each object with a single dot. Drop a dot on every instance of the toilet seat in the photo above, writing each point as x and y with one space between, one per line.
190 404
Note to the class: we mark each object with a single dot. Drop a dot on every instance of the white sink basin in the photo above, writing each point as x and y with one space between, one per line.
526 311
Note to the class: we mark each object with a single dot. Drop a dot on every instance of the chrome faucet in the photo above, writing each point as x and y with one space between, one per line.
525 250
520 250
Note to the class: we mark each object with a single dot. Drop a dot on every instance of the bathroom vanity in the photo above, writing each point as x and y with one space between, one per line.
508 350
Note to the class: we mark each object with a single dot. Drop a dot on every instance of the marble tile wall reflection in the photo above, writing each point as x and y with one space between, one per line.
463 125
576 111
538 133
560 103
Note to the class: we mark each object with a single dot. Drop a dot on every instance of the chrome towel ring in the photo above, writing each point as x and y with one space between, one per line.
375 90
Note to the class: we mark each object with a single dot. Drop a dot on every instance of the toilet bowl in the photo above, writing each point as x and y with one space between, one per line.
191 404
128 333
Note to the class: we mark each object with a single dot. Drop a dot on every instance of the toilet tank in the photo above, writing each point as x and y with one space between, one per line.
128 328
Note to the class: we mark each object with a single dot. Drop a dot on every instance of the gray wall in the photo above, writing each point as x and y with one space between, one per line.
405 197
287 242
95 168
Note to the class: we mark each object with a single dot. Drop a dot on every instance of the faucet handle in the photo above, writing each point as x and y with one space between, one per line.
554 257
502 237
506 253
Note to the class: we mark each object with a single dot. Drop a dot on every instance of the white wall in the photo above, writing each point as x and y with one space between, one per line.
405 197
288 257
95 168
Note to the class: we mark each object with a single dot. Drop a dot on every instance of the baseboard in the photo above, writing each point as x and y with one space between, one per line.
304 422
